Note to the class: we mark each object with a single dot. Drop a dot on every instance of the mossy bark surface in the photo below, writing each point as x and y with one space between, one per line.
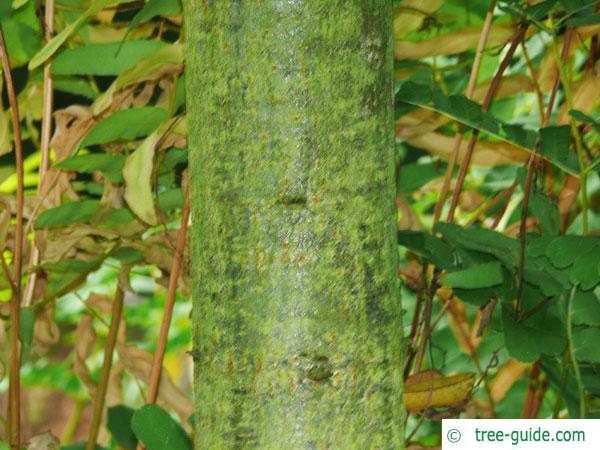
297 318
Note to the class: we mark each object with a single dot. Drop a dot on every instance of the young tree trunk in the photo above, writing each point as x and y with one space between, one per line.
297 318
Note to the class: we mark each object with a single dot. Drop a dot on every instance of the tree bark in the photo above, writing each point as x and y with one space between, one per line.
297 317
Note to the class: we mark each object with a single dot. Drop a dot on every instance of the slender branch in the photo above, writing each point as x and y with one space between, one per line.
534 82
484 107
528 179
14 403
469 94
100 397
47 105
157 363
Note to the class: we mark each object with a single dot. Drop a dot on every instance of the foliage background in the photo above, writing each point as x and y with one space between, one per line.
107 210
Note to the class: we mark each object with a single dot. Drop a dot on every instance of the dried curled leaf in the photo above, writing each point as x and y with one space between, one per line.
431 390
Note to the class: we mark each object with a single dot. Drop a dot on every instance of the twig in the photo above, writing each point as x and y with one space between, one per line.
533 80
469 94
14 403
528 179
100 397
157 363
47 105
484 107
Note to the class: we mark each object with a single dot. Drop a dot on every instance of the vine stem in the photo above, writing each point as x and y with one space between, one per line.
47 104
485 32
572 353
100 397
484 107
14 400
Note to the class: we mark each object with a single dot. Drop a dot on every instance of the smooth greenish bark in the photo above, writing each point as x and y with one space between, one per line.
297 318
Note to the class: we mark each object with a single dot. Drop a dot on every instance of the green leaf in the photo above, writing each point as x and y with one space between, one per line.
138 180
475 277
586 268
576 5
586 309
415 175
119 425
501 247
75 86
158 431
54 44
586 342
563 250
554 144
432 248
541 334
110 165
460 108
546 212
74 212
128 255
26 324
578 115
539 10
584 20
170 199
126 124
84 60
155 8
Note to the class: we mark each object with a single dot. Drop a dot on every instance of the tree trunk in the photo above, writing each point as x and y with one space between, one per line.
297 318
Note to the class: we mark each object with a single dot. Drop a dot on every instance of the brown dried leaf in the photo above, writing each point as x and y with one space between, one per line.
507 375
451 43
548 69
485 154
85 337
586 92
45 332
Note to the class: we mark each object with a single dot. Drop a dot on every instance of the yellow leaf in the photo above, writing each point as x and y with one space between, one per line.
436 391
138 180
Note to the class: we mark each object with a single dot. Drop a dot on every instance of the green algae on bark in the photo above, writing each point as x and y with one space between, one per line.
297 318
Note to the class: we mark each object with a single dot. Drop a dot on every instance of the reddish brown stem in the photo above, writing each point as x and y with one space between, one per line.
531 390
14 402
485 31
484 107
529 178
157 363
161 346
